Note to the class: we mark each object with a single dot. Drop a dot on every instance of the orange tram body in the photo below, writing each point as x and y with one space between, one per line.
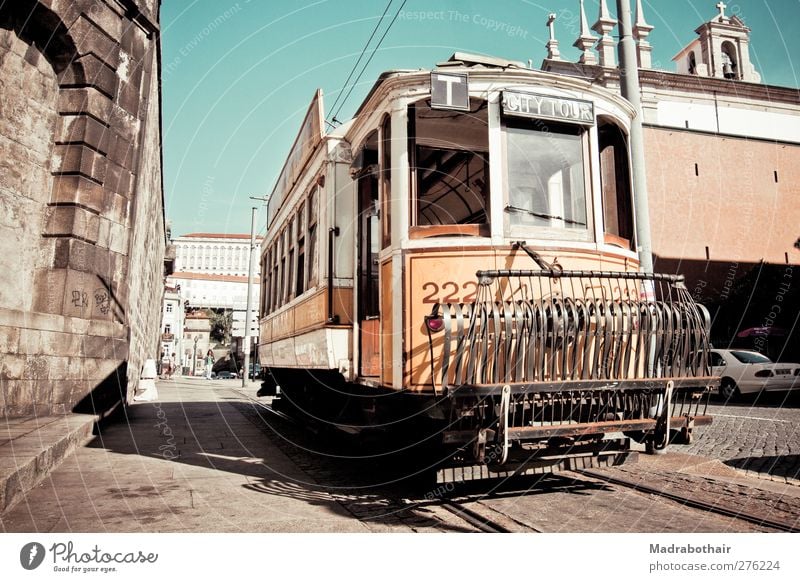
457 265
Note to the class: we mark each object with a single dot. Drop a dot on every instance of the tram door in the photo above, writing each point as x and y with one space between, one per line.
368 249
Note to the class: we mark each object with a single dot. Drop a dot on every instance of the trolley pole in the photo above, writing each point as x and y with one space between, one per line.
248 320
629 82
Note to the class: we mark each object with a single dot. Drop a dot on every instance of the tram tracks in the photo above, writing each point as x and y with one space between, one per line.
477 510
695 502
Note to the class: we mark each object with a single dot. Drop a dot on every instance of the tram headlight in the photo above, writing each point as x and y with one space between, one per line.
434 323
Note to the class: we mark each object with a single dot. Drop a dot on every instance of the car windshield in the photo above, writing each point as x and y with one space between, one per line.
751 358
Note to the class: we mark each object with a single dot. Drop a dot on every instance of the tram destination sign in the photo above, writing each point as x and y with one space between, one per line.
533 105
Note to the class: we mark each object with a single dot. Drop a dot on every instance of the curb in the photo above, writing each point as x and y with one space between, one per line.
35 454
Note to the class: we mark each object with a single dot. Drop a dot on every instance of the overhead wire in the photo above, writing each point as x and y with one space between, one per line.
372 54
364 50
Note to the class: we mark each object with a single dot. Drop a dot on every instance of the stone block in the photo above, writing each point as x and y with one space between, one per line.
78 291
106 16
126 124
82 129
118 179
79 190
79 159
118 238
121 151
89 39
73 221
12 367
91 72
117 208
86 100
134 41
103 233
37 367
76 254
9 340
49 290
57 367
30 341
56 343
128 98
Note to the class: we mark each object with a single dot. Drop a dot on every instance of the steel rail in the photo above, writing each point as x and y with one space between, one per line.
690 502
473 518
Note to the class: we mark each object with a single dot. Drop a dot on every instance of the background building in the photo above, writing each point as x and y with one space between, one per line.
212 269
723 173
82 242
172 325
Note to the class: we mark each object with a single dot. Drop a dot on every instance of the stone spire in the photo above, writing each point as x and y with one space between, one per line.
552 44
605 46
585 41
641 30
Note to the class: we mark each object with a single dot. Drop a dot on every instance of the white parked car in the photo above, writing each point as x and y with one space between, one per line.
748 372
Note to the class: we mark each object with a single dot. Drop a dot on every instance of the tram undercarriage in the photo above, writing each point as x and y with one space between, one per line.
545 371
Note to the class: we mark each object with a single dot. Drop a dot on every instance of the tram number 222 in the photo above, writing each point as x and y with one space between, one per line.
449 292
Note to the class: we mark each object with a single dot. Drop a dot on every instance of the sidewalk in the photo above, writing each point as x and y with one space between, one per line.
189 462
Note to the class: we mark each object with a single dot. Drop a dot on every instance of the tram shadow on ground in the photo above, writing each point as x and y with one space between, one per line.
277 461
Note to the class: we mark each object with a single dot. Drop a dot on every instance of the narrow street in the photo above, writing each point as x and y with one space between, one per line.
206 458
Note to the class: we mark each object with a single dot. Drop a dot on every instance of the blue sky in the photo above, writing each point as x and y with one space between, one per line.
239 75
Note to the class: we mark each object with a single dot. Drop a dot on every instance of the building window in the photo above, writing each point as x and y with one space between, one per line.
450 164
167 328
169 307
546 178
692 63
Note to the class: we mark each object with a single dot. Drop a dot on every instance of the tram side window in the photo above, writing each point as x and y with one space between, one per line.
313 199
275 278
450 162
301 256
386 182
616 184
265 280
546 178
289 263
282 271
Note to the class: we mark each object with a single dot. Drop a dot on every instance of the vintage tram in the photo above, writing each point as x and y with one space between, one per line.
457 264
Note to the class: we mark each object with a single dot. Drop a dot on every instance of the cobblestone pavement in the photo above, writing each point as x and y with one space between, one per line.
761 437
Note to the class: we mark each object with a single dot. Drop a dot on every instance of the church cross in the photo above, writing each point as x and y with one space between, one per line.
721 6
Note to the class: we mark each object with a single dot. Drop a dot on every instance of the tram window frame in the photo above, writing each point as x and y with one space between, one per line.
385 188
616 184
265 281
300 275
313 246
478 229
275 277
289 289
541 127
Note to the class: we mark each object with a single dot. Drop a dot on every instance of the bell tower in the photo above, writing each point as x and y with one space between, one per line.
722 50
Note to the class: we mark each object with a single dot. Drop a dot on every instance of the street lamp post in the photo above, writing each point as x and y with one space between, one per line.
248 320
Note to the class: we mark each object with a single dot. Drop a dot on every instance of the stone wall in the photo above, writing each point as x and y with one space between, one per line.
82 205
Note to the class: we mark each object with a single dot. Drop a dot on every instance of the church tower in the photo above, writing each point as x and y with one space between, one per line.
722 50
